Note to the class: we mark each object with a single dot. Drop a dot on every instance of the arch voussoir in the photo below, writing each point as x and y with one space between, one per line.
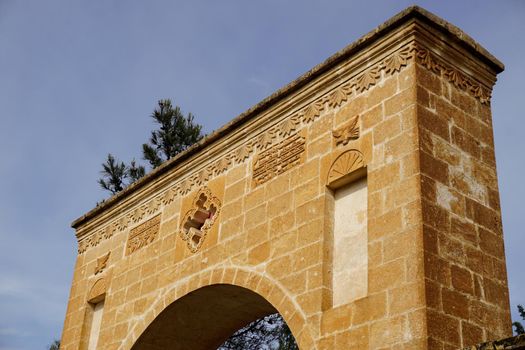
244 277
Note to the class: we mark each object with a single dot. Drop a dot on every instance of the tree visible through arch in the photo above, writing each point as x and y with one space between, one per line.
218 316
270 332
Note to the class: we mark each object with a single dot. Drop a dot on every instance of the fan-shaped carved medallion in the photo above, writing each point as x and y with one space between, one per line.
347 163
98 291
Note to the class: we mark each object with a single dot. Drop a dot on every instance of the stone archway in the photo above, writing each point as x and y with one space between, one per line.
204 318
258 293
276 202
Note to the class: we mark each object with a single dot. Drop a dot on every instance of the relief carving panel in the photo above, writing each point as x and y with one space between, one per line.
278 159
102 263
349 131
199 219
143 234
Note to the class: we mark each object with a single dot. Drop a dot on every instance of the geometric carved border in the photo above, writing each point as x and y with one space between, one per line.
356 85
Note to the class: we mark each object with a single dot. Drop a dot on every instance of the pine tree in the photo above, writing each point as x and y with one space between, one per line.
113 175
55 345
268 332
135 172
517 325
175 134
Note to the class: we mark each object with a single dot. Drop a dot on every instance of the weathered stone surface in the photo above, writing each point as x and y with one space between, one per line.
243 223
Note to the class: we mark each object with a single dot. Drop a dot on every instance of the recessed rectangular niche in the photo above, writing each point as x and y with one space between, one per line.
350 264
96 320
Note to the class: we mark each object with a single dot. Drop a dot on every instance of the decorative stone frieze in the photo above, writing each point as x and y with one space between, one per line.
512 343
452 74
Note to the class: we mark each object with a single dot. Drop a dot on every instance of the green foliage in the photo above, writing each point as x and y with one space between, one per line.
113 175
270 332
518 327
55 345
135 171
175 134
116 175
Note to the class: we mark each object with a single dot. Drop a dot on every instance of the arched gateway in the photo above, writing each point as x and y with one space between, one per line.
360 202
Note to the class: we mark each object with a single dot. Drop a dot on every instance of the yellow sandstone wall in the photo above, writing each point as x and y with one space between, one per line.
408 107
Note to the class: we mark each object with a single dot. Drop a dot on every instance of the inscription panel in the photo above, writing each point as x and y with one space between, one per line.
278 159
143 234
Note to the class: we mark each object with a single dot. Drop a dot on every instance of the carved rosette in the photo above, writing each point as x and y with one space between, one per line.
243 153
368 79
197 221
397 60
222 165
265 139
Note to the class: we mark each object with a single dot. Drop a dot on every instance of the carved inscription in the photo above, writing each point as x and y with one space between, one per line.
278 159
143 234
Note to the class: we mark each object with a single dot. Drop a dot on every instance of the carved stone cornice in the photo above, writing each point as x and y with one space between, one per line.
347 74
459 79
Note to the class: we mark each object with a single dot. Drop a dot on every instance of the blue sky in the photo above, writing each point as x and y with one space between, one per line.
79 79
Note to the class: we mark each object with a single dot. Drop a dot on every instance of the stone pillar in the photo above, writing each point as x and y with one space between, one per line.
437 276
465 275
